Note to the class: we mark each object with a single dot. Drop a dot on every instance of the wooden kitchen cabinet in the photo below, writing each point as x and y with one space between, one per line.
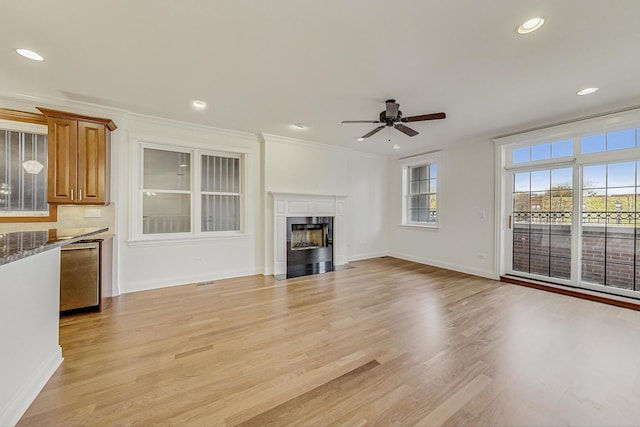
78 158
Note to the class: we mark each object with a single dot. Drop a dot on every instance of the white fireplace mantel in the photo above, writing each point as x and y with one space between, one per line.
296 204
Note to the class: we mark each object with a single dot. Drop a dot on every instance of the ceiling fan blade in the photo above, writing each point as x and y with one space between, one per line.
434 116
360 121
406 130
392 109
373 132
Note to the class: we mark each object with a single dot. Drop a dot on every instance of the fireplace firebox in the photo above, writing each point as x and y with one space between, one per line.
309 245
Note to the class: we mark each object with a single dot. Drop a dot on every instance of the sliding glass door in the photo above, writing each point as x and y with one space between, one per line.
541 222
570 208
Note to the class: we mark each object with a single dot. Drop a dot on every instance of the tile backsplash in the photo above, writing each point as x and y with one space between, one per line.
71 217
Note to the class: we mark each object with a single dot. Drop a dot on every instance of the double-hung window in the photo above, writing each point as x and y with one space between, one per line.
420 190
187 192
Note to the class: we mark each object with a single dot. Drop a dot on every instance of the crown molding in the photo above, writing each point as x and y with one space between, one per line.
267 137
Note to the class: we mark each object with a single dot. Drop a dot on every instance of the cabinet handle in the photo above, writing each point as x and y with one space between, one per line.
72 194
80 191
509 221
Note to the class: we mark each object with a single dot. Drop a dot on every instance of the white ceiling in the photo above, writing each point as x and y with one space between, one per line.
263 65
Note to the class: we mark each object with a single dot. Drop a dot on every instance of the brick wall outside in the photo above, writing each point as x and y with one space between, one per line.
546 250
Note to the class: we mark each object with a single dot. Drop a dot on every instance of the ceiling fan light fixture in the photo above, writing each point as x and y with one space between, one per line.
530 25
360 139
30 54
586 91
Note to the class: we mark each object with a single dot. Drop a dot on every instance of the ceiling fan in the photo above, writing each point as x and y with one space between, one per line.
392 117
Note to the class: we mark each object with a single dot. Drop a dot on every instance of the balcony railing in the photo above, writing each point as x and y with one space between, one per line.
588 217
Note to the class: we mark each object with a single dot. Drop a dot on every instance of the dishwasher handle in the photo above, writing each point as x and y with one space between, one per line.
80 246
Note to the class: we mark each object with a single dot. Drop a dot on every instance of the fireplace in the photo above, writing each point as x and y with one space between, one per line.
309 245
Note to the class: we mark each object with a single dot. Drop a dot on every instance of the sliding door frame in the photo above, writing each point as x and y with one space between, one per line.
505 170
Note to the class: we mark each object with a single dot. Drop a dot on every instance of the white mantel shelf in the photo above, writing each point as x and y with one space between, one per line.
296 204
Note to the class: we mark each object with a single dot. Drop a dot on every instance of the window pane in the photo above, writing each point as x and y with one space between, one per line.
413 201
621 139
593 144
22 188
220 174
415 187
166 170
424 172
433 170
621 174
540 152
414 174
540 180
594 176
424 186
433 185
433 202
561 178
422 202
521 155
522 181
166 213
220 213
561 149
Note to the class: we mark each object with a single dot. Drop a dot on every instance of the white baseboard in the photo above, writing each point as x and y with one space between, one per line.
15 409
146 285
456 267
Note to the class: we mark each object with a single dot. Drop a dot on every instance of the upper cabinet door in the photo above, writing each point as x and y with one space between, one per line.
92 163
61 156
79 158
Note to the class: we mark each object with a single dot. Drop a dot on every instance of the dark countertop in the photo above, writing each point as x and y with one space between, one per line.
22 244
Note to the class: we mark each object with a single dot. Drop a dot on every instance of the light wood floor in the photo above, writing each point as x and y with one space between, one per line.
387 343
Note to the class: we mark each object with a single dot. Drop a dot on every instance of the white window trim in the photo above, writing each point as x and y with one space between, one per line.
29 128
413 161
136 236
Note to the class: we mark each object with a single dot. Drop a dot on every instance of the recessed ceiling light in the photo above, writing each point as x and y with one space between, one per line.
299 126
200 105
530 25
360 139
30 54
587 91
396 147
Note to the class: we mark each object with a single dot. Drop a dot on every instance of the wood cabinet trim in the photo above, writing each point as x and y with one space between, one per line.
22 116
72 116
52 217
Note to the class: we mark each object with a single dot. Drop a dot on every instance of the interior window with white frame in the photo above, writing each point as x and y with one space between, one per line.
420 190
189 192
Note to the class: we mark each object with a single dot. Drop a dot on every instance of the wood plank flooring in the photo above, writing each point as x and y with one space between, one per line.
387 343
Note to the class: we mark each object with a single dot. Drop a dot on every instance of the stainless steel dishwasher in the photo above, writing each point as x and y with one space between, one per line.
80 278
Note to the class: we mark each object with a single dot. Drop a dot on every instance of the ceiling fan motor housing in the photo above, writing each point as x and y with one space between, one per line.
389 121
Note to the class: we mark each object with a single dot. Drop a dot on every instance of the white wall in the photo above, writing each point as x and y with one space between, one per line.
150 265
368 202
465 239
